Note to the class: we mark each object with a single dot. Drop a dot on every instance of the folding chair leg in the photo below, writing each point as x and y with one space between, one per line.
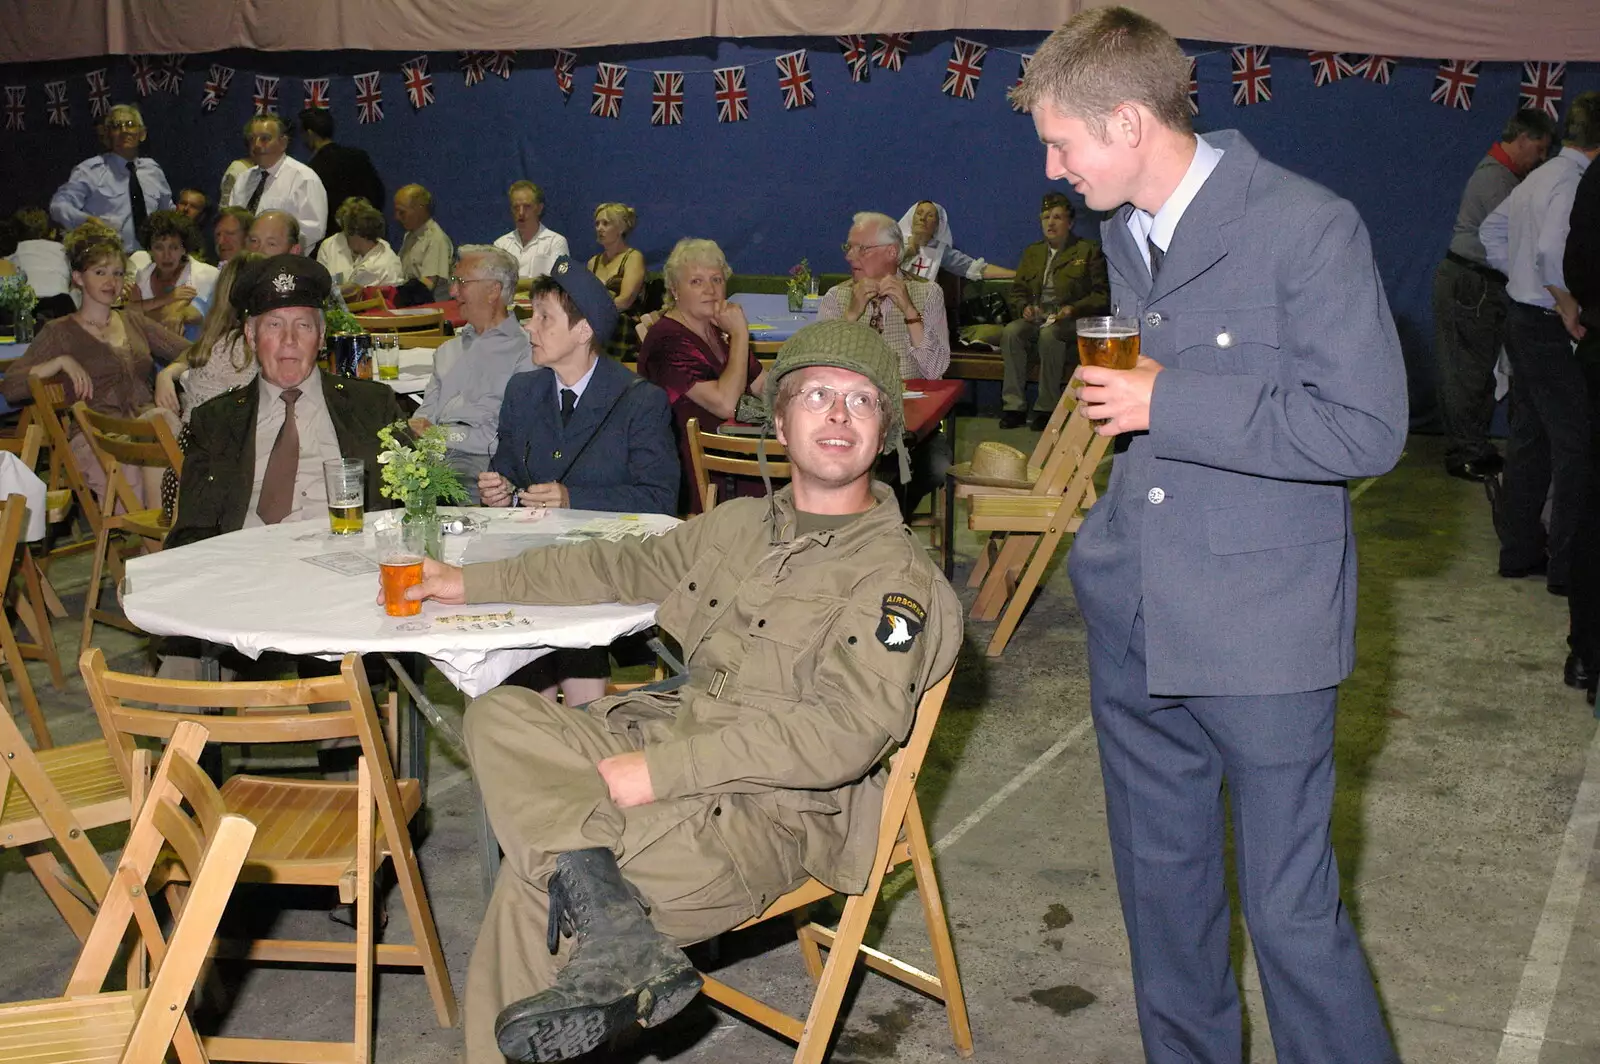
842 956
1012 556
1026 585
32 606
91 594
365 948
19 673
48 871
985 560
933 914
424 931
810 952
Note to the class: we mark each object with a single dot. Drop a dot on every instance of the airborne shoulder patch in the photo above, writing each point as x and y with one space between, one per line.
901 621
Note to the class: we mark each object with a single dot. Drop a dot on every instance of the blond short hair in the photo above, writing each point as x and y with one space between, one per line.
620 213
686 255
1106 57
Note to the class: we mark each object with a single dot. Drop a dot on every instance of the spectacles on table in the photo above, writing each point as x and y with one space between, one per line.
850 248
819 399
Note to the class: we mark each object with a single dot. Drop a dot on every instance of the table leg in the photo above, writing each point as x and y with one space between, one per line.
414 724
949 525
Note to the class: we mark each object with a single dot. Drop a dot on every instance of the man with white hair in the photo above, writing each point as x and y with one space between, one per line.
104 186
255 454
907 313
472 368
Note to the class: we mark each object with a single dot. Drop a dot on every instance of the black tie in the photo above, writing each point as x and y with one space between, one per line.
569 399
1156 255
255 193
136 200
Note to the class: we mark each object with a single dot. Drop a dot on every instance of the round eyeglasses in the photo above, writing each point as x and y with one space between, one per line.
819 399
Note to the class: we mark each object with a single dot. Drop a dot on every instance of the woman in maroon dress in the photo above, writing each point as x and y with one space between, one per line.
699 351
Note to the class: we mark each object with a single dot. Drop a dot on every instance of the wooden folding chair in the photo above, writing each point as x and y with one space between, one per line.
50 410
32 600
119 441
311 832
141 1025
712 452
12 515
431 321
902 837
1026 528
430 340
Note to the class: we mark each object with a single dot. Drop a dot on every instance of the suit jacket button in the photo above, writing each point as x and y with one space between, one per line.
1156 496
1152 319
555 454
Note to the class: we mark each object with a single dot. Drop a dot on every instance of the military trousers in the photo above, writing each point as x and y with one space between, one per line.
1020 342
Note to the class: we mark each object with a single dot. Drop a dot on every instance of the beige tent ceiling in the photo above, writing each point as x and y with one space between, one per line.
35 30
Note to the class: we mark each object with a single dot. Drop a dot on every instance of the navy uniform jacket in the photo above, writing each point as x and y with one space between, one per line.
632 465
1230 520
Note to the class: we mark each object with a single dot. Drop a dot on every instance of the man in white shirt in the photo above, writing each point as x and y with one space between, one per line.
43 261
279 181
535 247
1548 450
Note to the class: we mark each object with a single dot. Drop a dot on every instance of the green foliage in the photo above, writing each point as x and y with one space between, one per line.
414 469
800 278
16 293
339 318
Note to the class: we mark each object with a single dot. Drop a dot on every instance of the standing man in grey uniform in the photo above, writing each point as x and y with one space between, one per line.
1469 299
1216 575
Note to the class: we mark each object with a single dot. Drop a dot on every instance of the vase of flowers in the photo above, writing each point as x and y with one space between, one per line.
799 284
17 301
415 473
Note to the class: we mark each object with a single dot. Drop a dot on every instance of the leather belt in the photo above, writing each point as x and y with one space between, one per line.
1478 268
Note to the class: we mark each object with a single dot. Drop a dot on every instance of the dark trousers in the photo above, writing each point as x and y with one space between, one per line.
1583 596
1548 452
1164 761
1469 316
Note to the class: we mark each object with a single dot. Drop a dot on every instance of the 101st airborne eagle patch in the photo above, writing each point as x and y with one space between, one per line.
901 622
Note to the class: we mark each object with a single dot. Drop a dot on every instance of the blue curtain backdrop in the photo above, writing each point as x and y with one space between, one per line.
781 186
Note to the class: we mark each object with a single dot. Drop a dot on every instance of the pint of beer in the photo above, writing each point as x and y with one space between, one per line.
1109 342
345 481
400 561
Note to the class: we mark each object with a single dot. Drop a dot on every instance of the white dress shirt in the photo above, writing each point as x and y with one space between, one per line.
1525 237
538 254
201 276
318 443
291 186
44 262
379 266
1158 228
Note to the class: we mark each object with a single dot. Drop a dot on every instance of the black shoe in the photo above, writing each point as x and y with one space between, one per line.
1476 469
1575 674
1539 568
1013 419
1557 589
1039 420
622 970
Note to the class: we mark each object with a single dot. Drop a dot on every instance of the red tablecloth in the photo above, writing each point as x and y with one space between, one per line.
451 308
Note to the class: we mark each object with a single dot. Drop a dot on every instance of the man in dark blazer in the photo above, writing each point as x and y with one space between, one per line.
344 171
1217 574
255 454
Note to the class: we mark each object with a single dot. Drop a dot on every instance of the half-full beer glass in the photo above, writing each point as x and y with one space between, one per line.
1109 342
344 478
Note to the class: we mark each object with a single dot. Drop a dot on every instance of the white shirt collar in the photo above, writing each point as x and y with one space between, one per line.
1160 226
578 388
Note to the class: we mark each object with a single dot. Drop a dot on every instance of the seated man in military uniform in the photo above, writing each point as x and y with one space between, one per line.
811 620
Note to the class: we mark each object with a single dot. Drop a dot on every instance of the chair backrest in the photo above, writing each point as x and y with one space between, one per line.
427 321
712 452
212 844
1072 455
422 339
905 765
119 441
26 446
49 409
360 306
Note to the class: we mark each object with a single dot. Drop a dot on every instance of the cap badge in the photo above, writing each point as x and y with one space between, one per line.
283 283
561 268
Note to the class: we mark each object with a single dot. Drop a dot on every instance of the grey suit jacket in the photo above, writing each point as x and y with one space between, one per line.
1230 520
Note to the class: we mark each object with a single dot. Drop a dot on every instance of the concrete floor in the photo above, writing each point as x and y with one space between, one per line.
1460 827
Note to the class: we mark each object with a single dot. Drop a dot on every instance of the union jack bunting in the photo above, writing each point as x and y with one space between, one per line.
55 103
1252 75
565 63
369 97
666 99
733 99
172 73
856 56
1378 68
500 63
146 78
99 93
473 66
419 83
794 78
217 82
1326 67
891 50
316 93
16 96
266 97
1194 86
608 81
1541 87
1454 83
1022 72
965 67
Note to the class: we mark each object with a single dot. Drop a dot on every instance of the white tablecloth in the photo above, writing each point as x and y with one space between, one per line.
18 479
253 590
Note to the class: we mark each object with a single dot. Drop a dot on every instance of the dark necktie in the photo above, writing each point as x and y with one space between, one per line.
569 399
255 193
136 201
1156 255
277 487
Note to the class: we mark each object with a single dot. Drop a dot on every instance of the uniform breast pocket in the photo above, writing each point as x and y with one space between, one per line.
1241 340
782 644
681 610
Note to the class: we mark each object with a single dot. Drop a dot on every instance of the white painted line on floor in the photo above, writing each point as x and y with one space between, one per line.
1357 491
1541 976
445 784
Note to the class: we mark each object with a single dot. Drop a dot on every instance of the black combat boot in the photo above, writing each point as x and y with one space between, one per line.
622 970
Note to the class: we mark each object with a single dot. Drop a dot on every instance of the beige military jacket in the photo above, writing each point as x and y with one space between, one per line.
807 657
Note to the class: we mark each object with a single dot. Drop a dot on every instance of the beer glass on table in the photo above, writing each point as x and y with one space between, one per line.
400 553
345 479
386 352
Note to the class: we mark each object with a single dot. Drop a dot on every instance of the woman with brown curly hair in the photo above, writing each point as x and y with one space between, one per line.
176 288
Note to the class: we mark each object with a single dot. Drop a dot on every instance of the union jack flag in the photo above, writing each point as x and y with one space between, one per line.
55 102
1454 83
666 99
733 99
565 63
1194 86
965 67
99 93
1252 75
891 50
146 78
1327 67
419 83
266 97
1541 87
608 81
369 97
1022 72
217 83
500 63
794 78
316 92
15 106
856 56
1378 68
172 72
473 66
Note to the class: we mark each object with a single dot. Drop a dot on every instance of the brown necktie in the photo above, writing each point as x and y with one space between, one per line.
277 487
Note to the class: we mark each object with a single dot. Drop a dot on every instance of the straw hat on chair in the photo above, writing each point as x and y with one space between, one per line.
997 465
